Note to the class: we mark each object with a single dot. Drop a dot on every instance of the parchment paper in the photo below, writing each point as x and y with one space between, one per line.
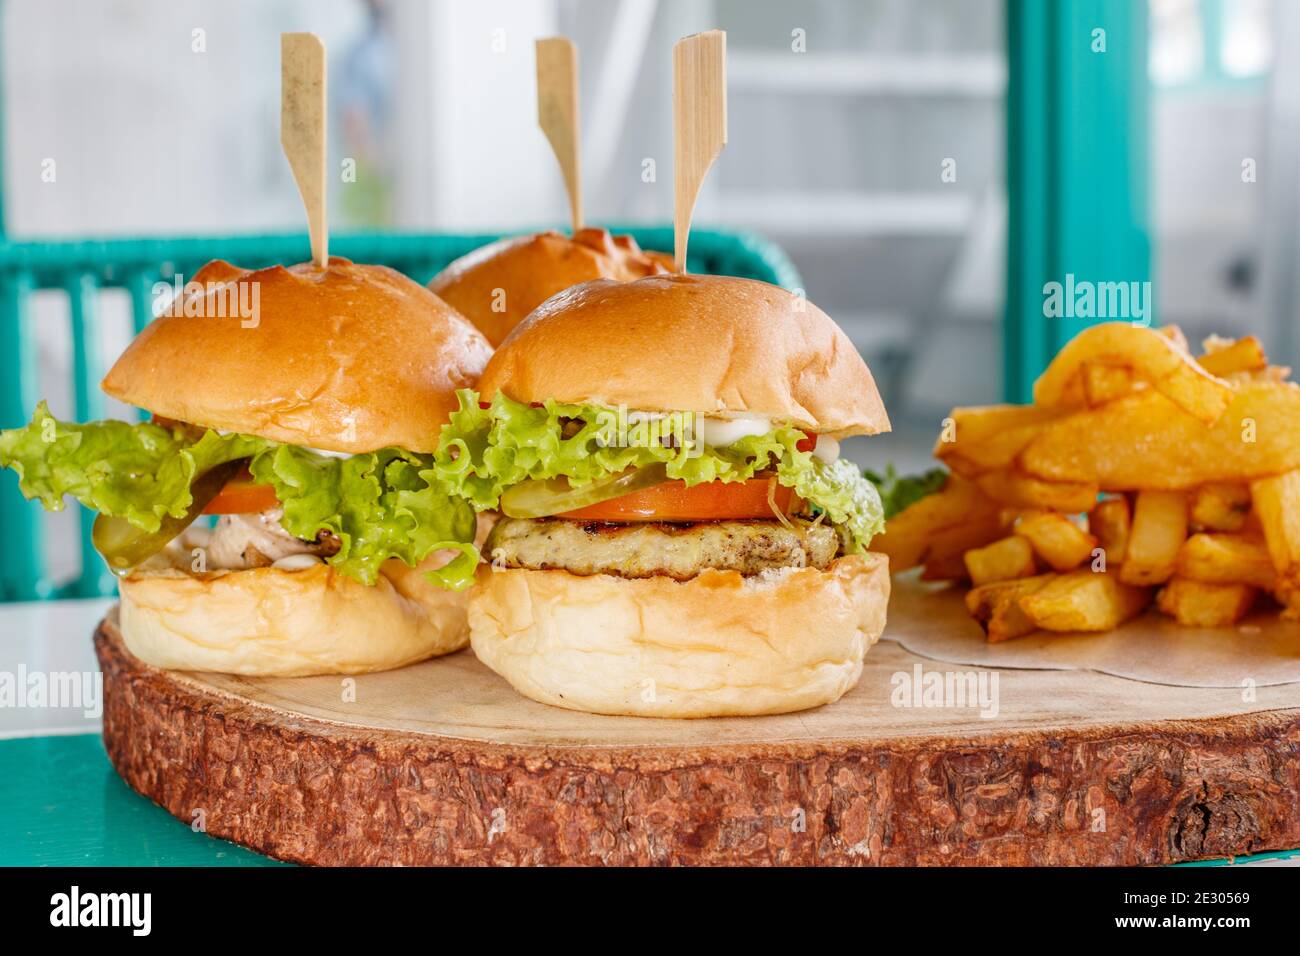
931 620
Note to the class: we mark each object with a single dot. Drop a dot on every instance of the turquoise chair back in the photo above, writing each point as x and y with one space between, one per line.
83 269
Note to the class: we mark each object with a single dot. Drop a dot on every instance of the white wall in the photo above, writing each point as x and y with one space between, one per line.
149 136
472 155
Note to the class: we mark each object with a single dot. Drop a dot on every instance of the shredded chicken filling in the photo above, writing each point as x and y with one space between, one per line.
240 542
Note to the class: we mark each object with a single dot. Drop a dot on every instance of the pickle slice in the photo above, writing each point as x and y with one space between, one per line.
124 546
542 498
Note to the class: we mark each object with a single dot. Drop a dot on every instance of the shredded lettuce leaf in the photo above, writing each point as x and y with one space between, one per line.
484 451
383 504
849 501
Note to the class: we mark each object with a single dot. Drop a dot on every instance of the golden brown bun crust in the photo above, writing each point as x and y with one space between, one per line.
351 358
716 645
713 344
531 269
289 623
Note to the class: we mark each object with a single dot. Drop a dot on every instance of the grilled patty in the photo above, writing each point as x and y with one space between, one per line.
644 550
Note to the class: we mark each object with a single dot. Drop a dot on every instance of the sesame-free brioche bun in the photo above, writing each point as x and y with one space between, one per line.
350 358
498 285
269 622
717 345
717 645
274 623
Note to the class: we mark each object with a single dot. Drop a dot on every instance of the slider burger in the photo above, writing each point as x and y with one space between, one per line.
307 428
680 537
498 285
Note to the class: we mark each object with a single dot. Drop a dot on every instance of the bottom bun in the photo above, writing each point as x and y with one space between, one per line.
717 645
269 622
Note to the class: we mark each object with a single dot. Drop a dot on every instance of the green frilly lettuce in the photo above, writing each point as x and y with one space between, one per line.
484 451
382 504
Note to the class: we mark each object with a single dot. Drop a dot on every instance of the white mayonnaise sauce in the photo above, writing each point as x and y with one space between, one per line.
828 449
328 454
720 432
297 562
318 451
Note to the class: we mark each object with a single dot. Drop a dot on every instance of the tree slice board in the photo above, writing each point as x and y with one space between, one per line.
443 763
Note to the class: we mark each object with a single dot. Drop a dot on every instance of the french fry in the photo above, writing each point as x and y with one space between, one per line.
1056 539
1152 357
1288 595
1145 441
982 527
1111 522
1011 557
1022 491
1175 335
951 567
1252 524
1225 357
1270 373
1084 601
1199 604
1103 382
1200 462
1220 506
989 437
959 508
1277 502
997 607
1158 532
1226 559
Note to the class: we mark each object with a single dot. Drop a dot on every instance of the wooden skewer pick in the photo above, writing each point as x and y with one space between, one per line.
557 112
302 129
699 124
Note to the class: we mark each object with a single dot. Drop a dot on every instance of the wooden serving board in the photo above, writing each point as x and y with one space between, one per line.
443 763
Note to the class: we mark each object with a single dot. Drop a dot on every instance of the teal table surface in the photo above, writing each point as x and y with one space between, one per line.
62 804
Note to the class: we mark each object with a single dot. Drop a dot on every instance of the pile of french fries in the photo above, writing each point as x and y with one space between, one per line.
1140 474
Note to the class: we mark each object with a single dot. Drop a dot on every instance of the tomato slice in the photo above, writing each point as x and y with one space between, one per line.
241 496
711 501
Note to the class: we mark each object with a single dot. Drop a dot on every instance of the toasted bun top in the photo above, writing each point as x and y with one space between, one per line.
350 358
714 344
529 270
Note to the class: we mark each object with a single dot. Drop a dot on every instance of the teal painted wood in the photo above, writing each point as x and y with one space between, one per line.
1103 159
419 255
82 269
1077 167
22 556
88 401
1025 342
139 285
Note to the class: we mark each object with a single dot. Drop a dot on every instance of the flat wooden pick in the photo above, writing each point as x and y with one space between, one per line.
302 129
699 124
557 113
